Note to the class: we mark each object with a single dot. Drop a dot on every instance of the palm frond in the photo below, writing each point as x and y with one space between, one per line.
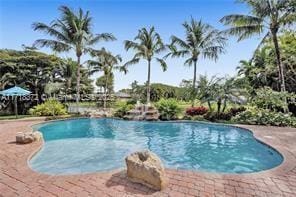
49 30
241 20
102 37
244 32
131 62
162 63
53 44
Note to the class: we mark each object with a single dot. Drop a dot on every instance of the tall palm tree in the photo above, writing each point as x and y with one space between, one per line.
267 16
201 41
71 32
105 62
147 44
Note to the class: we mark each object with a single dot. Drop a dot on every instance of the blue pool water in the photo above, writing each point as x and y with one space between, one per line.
91 145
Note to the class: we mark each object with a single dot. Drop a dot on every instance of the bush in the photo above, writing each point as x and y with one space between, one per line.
265 117
234 111
266 98
195 111
122 108
213 116
168 109
50 107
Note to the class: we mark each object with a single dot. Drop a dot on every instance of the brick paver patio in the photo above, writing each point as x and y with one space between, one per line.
17 179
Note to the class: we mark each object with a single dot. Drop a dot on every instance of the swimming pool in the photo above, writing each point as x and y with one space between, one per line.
92 145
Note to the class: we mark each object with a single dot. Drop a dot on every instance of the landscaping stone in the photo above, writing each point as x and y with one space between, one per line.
146 168
37 136
28 137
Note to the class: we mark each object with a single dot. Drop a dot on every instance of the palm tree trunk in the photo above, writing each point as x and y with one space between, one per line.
37 96
105 92
219 103
148 82
224 105
280 66
78 83
210 106
278 61
68 86
193 84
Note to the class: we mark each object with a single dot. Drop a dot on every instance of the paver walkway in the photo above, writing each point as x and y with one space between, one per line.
17 179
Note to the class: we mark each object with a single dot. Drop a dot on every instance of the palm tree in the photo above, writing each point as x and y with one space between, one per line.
230 89
202 41
106 62
147 44
68 72
266 15
71 32
207 89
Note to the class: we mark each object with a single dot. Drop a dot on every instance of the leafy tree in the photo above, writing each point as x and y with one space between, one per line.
201 41
147 44
266 15
262 71
28 68
71 32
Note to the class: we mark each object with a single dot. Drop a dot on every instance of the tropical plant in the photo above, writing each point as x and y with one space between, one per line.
265 117
168 109
147 45
122 108
107 63
71 32
202 41
207 89
106 83
266 98
229 90
50 107
268 17
196 111
68 73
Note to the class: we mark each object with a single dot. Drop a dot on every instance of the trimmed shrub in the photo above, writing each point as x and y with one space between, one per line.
50 107
195 111
168 109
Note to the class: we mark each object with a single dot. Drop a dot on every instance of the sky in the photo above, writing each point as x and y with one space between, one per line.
123 18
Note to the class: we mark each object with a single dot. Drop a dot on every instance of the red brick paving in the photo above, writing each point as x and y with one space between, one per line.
17 179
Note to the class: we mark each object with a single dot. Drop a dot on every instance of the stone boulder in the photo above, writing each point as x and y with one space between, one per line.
37 136
28 137
146 168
